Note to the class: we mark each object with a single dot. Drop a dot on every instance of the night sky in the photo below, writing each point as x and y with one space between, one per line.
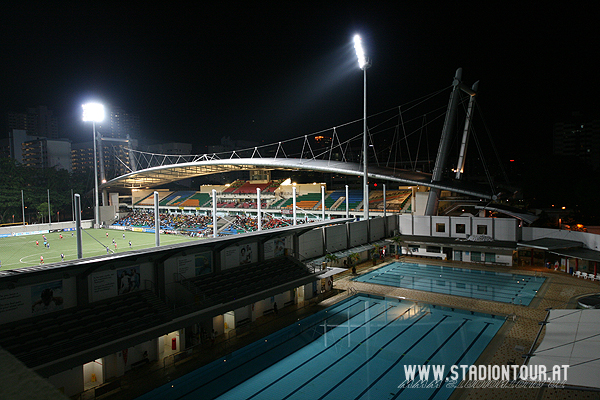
195 73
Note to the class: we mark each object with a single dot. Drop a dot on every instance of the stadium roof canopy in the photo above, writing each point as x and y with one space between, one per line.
571 339
165 174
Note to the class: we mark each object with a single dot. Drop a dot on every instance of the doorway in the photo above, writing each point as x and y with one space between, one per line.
229 319
93 374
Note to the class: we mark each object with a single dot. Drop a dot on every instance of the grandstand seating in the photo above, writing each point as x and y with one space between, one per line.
40 339
242 281
305 201
247 187
250 188
355 197
234 185
284 203
272 186
197 200
149 200
333 197
395 200
175 198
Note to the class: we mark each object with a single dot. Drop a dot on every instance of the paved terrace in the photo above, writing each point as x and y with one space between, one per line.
559 291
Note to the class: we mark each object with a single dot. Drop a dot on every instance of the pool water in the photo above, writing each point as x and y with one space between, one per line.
478 284
356 349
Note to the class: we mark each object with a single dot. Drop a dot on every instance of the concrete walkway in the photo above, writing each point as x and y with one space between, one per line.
559 291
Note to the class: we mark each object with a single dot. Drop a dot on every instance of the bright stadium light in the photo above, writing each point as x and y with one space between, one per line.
94 112
363 63
360 53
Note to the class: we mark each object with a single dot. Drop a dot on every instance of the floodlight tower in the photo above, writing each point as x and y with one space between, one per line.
94 112
363 64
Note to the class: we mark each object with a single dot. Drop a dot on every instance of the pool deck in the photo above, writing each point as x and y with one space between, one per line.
559 291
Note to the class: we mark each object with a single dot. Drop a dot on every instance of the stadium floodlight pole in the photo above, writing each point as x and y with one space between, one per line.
384 205
94 112
294 205
258 205
156 221
363 64
49 215
323 202
214 212
23 206
78 226
347 204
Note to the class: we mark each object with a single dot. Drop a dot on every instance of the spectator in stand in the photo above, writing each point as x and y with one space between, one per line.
194 225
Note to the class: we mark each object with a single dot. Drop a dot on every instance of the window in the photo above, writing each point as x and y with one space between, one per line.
434 249
476 256
440 227
482 229
460 228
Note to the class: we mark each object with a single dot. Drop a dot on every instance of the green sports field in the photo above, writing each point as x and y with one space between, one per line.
22 251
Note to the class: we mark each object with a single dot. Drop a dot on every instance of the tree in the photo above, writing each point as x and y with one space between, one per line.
12 180
402 244
331 258
35 184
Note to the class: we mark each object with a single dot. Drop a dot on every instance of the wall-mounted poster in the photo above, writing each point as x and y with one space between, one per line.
104 285
274 248
279 247
185 266
235 256
14 304
128 279
203 263
47 297
245 254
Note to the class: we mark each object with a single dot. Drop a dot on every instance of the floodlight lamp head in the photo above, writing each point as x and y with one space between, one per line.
93 112
363 62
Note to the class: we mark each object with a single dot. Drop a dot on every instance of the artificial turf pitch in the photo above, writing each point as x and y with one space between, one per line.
22 251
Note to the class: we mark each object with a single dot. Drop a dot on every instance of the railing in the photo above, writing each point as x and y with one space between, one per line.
512 317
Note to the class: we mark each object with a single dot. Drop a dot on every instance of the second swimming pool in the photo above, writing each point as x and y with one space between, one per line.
478 284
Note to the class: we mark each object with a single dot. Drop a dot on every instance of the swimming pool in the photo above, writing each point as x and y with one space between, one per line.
478 284
355 349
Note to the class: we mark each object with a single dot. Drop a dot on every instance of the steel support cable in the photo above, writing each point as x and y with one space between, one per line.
486 169
406 139
397 143
492 143
391 148
419 142
155 156
373 145
481 155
